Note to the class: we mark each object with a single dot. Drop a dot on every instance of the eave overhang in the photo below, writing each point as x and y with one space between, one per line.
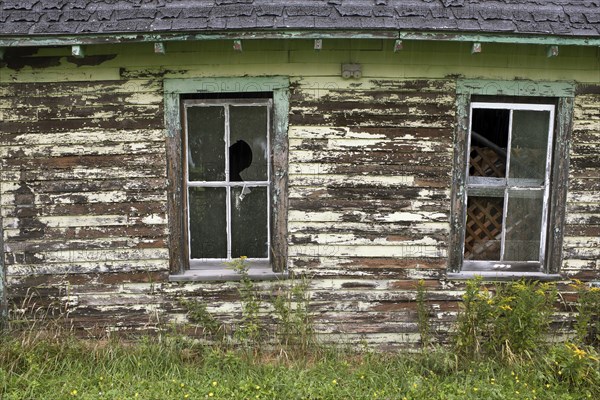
96 39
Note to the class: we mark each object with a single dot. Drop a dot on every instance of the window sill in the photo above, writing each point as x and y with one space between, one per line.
503 275
200 275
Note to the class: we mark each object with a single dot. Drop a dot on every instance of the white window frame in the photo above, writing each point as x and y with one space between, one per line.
212 263
477 184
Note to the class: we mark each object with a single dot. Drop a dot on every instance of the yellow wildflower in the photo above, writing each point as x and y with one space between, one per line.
519 286
578 352
74 392
214 383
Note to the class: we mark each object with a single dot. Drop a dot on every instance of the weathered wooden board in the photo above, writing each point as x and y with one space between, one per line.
581 246
83 184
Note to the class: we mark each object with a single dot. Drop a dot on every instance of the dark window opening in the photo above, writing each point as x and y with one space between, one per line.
489 141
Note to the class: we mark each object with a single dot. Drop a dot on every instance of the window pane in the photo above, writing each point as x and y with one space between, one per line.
206 143
523 225
489 139
529 146
249 222
208 225
248 151
483 234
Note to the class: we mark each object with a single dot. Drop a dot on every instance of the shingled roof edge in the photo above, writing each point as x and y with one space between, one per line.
115 38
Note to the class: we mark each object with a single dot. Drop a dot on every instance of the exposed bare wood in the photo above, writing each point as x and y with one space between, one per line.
89 188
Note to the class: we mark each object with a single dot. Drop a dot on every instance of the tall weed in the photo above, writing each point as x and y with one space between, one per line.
291 307
423 314
587 324
250 329
509 321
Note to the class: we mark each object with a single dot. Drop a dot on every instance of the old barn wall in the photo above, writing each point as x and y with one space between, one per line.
582 242
83 189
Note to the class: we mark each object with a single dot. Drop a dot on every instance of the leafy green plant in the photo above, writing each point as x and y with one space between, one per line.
587 324
250 329
474 319
509 321
291 307
523 311
198 313
423 314
574 365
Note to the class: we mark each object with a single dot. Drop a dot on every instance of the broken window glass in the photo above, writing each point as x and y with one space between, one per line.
489 140
247 123
484 228
228 189
507 185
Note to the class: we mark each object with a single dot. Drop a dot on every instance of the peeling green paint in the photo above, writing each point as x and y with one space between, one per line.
174 87
495 38
71 40
515 88
278 86
565 91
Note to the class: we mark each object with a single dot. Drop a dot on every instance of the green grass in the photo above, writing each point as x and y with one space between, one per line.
43 367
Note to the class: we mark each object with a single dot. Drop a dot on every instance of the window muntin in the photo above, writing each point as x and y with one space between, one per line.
227 180
507 186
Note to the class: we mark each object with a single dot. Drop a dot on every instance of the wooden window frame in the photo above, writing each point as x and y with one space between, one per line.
562 93
175 90
217 263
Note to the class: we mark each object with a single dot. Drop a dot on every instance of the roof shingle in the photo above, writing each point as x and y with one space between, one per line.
58 17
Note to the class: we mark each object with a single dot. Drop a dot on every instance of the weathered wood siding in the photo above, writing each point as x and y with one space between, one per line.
369 199
83 191
369 179
83 181
582 233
